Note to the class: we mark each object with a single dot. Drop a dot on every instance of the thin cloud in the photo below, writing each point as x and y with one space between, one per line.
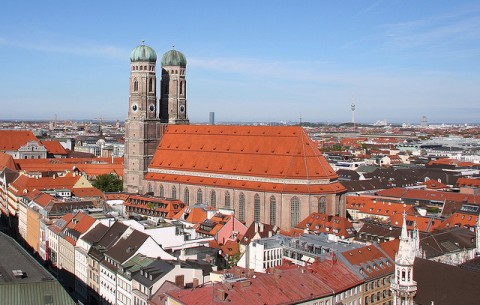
446 32
104 51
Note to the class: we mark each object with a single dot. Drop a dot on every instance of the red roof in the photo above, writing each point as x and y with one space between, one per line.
375 205
468 182
322 223
274 153
54 147
369 259
459 219
424 223
14 139
6 161
282 286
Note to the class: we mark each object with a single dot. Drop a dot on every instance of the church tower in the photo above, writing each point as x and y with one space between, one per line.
142 127
403 286
173 89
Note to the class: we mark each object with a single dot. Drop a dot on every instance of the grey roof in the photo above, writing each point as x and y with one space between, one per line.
107 241
444 284
95 234
148 275
126 247
31 283
447 241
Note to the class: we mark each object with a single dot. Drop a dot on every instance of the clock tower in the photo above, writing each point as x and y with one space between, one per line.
142 127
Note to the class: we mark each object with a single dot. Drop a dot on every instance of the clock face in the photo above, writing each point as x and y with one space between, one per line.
182 109
151 107
134 107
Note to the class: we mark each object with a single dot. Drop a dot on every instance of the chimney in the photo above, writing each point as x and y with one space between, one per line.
194 282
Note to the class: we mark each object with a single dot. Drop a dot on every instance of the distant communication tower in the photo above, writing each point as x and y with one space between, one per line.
353 113
424 121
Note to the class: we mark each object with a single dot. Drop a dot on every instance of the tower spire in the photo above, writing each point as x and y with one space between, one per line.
403 286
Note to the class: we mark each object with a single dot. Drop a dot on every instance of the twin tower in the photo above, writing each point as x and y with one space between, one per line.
148 116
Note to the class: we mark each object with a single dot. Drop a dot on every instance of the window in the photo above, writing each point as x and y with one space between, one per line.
227 200
150 189
199 196
186 196
181 87
213 199
322 205
135 85
150 85
241 207
294 211
174 192
161 191
256 208
273 210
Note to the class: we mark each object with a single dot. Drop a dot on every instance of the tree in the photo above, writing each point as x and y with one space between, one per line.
108 183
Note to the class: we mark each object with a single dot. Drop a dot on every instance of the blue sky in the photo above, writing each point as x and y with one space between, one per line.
248 60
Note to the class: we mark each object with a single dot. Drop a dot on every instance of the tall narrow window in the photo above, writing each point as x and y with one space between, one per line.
199 196
227 199
150 85
186 196
256 208
161 191
150 189
273 210
213 199
322 205
174 192
241 207
339 206
295 211
181 87
135 85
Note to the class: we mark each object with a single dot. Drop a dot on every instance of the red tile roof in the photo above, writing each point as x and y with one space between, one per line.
248 151
375 205
54 147
424 223
283 286
468 182
14 139
6 161
459 219
370 256
322 223
435 185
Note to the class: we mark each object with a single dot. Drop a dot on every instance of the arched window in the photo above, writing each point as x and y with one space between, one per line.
199 196
186 196
161 191
213 199
295 211
256 208
241 207
135 85
181 87
150 85
150 189
322 205
273 210
174 192
227 199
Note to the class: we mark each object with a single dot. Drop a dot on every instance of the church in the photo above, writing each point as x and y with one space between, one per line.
269 174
